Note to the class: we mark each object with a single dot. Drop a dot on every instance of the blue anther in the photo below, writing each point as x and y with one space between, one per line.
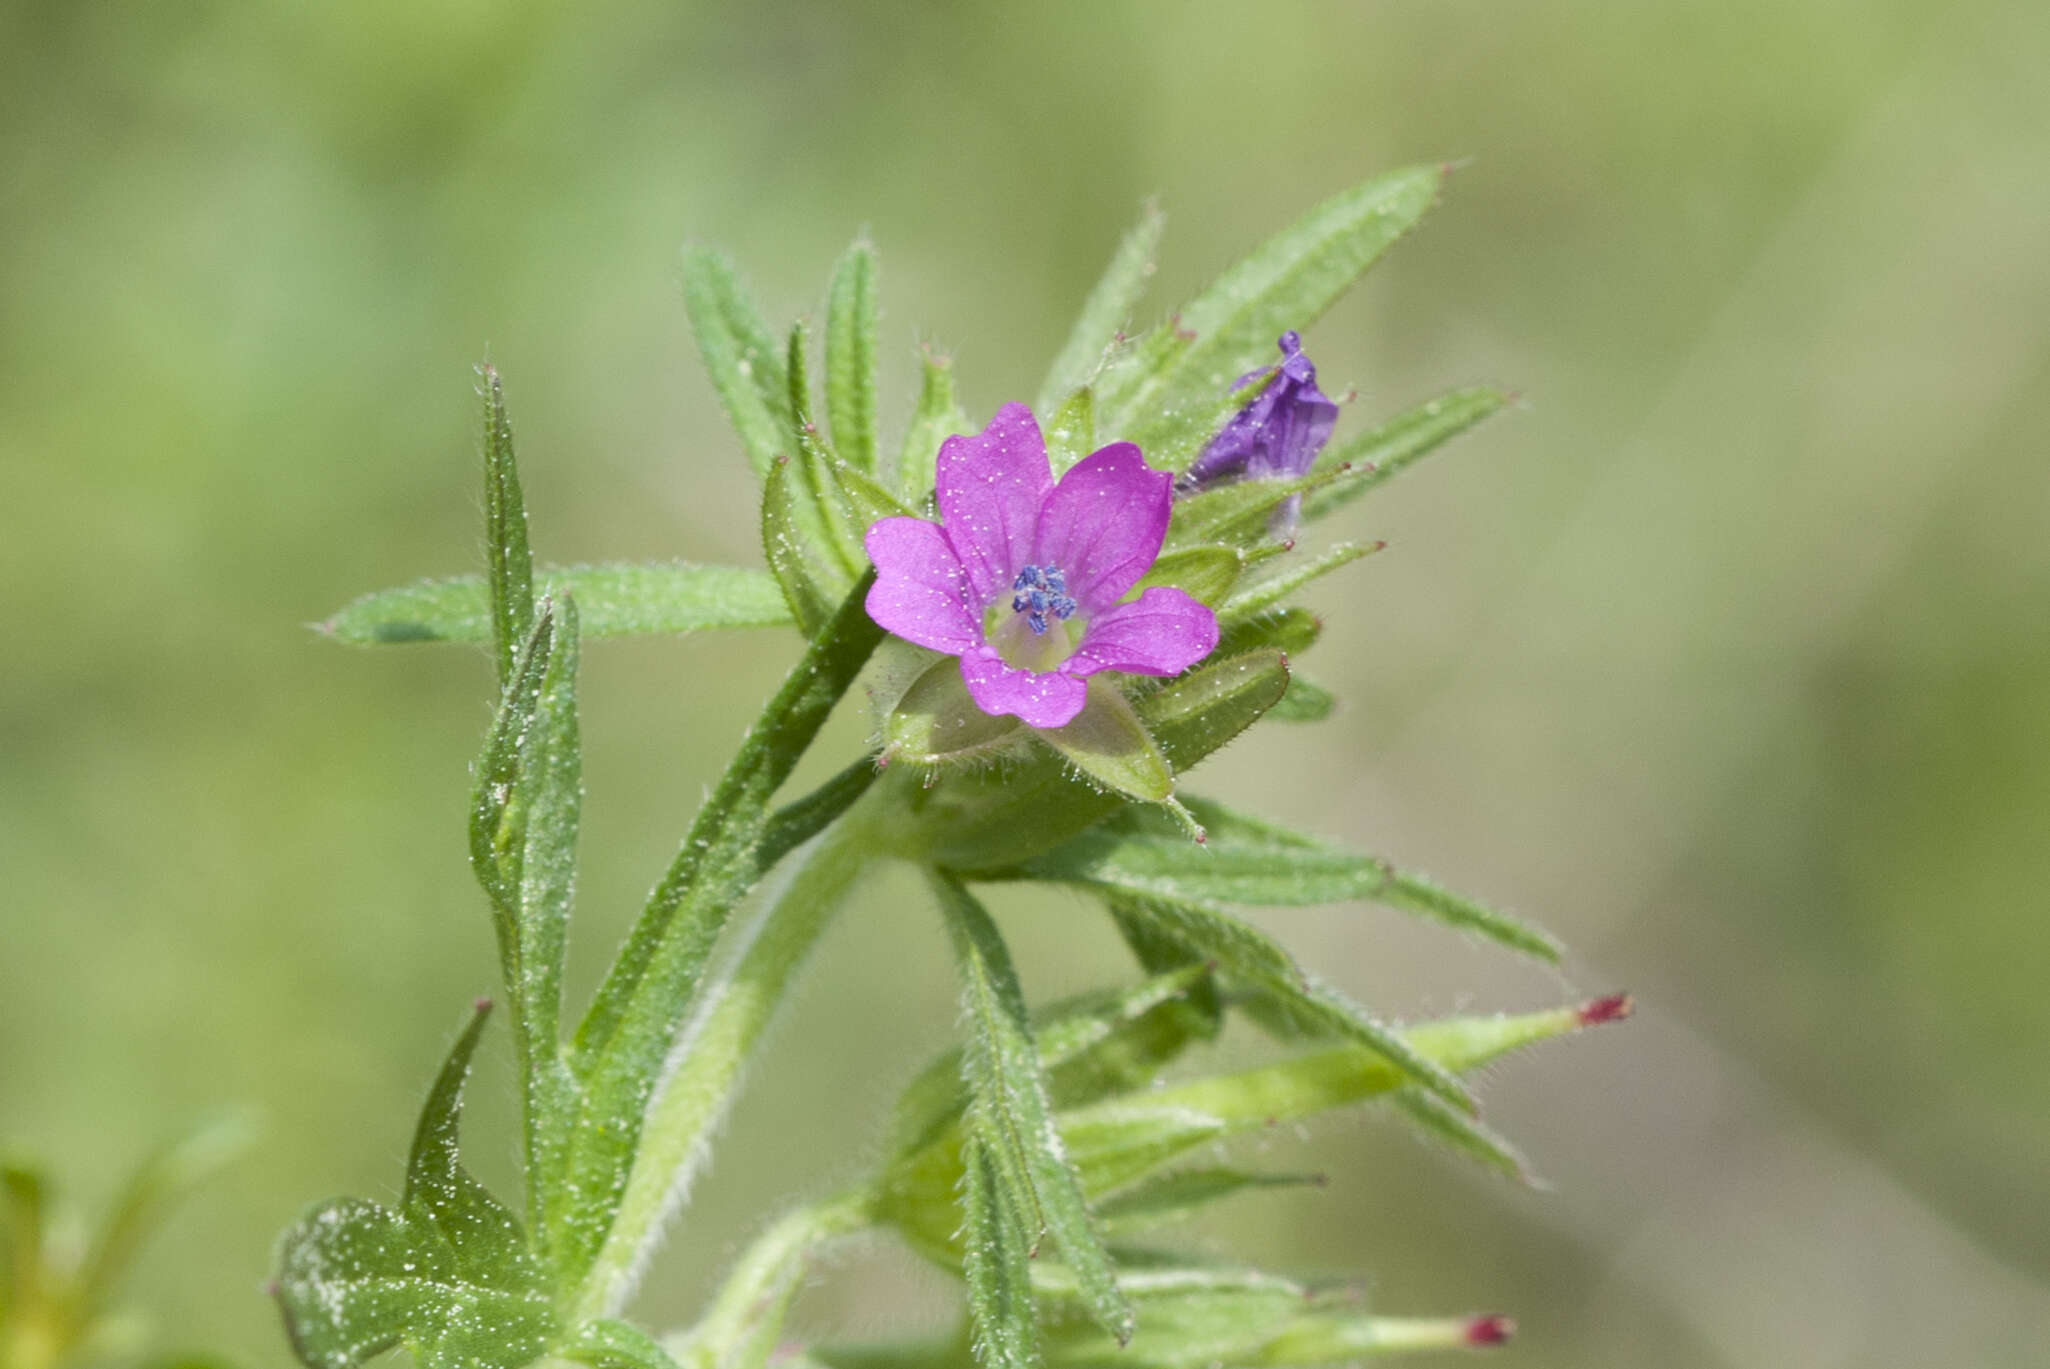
1041 590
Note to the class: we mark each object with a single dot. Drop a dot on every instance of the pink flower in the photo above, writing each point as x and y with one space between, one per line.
1025 580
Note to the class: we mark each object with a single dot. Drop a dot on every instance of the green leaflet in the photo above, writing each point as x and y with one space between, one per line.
510 565
626 1035
739 357
1209 933
851 358
937 417
1170 383
996 1261
1107 311
1013 1117
447 1273
976 820
1376 457
1250 861
616 600
524 816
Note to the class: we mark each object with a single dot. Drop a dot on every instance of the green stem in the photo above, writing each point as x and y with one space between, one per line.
745 1318
715 1047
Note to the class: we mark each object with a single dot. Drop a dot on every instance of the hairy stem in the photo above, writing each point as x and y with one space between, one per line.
743 1321
733 1012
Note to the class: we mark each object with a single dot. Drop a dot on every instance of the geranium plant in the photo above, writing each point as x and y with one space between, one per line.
1055 616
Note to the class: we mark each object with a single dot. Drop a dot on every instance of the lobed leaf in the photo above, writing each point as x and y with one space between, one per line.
447 1274
1015 1132
739 357
1176 1194
1205 573
851 358
996 1261
616 600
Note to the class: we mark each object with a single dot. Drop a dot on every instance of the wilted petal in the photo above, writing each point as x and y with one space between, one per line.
1103 525
989 488
1162 632
1278 434
921 591
1036 698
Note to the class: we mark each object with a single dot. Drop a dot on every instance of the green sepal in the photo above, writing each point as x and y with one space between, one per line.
851 358
739 357
1289 630
447 1273
935 724
1231 327
1107 311
1012 1116
1110 747
617 600
509 562
1306 702
936 418
1071 431
974 820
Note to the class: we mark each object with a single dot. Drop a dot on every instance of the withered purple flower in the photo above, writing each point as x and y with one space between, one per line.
1276 436
1025 579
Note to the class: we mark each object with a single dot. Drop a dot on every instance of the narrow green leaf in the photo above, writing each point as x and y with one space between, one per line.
1179 1193
447 1274
743 1325
937 418
791 541
1247 860
1108 311
1111 747
997 1254
1001 1065
1346 1336
1071 431
1286 283
1305 702
851 358
1289 630
158 1184
824 518
509 563
1376 457
1465 1135
1205 573
739 357
1213 934
1260 595
1190 1318
625 1038
617 600
524 818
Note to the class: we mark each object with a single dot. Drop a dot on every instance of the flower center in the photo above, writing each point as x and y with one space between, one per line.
1039 629
1038 591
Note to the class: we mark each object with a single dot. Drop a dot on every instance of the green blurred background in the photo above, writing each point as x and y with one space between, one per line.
1725 657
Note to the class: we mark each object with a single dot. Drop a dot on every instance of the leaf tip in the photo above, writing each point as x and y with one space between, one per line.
481 1005
1490 1329
1610 1008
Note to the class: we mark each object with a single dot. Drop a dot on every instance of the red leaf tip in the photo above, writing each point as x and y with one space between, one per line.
1614 1008
481 1005
1490 1330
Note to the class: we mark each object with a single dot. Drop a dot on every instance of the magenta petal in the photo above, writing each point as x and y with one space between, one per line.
1162 632
921 592
990 487
1104 524
1038 699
